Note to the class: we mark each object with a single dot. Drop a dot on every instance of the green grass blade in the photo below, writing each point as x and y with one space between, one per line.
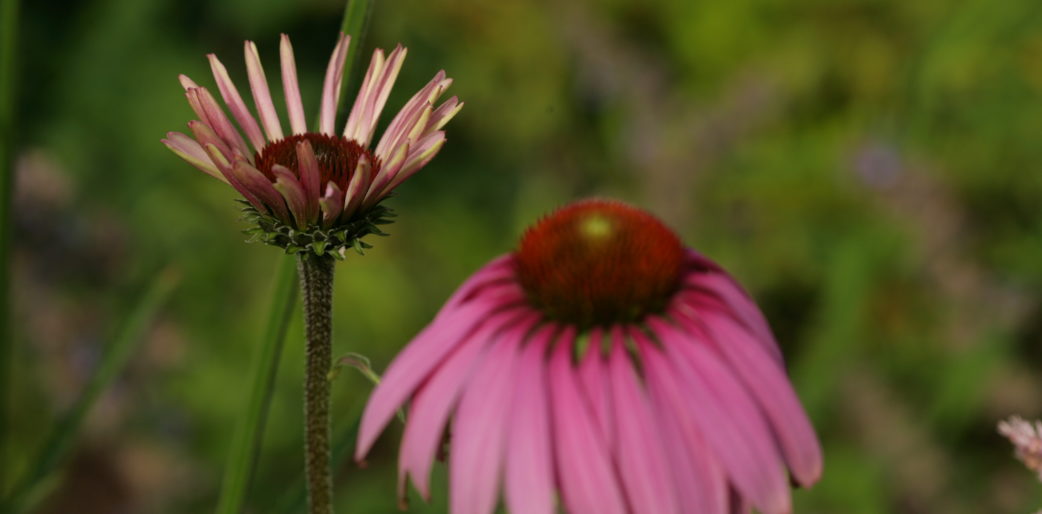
8 37
250 431
355 24
65 433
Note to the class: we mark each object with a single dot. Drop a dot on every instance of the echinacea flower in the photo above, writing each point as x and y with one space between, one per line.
316 190
1027 441
603 364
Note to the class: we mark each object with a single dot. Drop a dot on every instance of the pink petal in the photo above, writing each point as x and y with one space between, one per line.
260 186
227 170
189 150
431 405
219 122
331 203
530 472
310 177
404 122
231 97
700 483
287 184
640 456
728 419
358 186
593 376
371 99
583 464
186 82
331 86
289 85
444 113
480 428
261 94
767 382
412 366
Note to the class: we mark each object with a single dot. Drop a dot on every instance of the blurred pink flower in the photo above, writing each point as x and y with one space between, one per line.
604 361
313 179
1027 441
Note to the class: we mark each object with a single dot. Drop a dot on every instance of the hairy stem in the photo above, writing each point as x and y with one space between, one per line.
316 283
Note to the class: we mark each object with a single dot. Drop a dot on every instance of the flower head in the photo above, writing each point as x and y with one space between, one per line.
313 190
605 362
1027 441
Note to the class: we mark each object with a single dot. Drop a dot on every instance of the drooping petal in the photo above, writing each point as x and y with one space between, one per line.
214 116
310 177
431 405
584 468
480 427
231 97
728 419
287 184
444 113
190 150
406 118
358 186
413 365
331 86
593 377
767 381
289 85
260 186
261 94
419 155
529 461
701 485
640 455
331 203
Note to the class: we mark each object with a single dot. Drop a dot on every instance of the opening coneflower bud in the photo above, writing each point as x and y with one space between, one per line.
599 262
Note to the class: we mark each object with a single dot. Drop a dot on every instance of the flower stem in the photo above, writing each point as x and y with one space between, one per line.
316 283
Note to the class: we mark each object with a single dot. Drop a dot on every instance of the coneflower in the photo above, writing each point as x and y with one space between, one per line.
604 364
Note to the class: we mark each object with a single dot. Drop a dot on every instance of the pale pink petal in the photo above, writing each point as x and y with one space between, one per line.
584 469
287 184
419 155
189 150
331 86
444 113
433 402
226 169
728 419
530 472
593 376
186 82
219 122
289 85
373 95
480 425
413 365
640 456
701 485
388 169
766 380
358 186
234 101
310 177
331 203
406 118
261 94
206 136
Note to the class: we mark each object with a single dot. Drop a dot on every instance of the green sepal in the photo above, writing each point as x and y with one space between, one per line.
331 241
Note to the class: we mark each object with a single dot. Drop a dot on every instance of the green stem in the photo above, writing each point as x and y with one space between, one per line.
316 283
249 432
355 24
8 38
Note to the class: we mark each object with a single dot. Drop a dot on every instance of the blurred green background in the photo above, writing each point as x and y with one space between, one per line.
869 169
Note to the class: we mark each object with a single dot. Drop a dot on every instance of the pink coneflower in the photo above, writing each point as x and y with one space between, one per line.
604 363
317 183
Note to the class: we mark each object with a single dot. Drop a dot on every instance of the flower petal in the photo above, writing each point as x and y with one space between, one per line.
289 85
331 203
641 458
406 119
310 177
331 86
529 460
261 94
376 87
260 186
190 150
593 377
234 101
480 427
287 184
728 418
584 468
413 365
358 186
